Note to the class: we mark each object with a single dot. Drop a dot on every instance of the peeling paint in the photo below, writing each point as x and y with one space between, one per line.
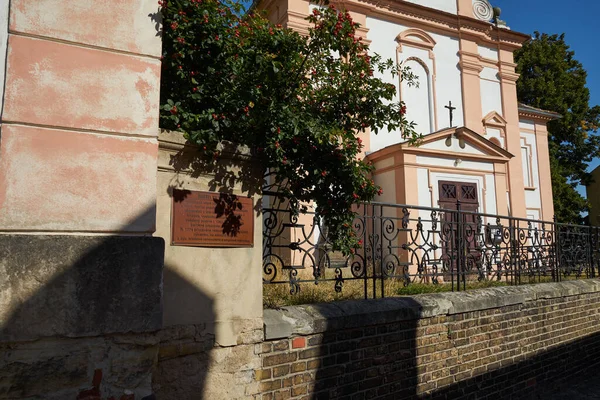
55 84
62 180
124 25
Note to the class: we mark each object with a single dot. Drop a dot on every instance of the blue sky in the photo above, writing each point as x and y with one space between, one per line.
578 19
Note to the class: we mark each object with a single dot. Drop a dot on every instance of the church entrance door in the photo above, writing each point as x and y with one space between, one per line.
459 227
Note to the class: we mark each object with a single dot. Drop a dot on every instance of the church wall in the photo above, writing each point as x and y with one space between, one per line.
491 96
488 53
537 200
441 64
428 190
442 5
495 133
79 121
429 177
454 147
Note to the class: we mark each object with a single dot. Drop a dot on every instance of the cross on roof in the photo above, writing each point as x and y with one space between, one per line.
450 109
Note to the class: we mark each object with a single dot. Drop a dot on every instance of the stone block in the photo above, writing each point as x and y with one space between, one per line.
79 286
63 368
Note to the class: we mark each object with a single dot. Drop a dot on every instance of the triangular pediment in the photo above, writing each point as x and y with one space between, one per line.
494 119
461 141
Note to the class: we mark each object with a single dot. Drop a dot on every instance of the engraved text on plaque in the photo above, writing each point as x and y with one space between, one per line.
212 219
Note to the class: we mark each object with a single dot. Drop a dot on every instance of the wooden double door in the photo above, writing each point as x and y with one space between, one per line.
459 229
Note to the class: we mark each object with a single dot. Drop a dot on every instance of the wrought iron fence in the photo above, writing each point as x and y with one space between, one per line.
407 244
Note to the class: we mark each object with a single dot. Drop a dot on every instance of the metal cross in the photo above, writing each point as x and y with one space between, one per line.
450 109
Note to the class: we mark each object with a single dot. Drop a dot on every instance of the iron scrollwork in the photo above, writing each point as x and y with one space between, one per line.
410 244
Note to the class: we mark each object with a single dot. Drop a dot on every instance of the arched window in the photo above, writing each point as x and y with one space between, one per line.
415 50
419 99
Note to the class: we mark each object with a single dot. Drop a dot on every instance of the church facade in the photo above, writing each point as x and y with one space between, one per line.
480 145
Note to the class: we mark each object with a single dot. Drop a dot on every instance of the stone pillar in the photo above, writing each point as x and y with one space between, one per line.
543 156
465 8
510 112
78 153
213 306
471 67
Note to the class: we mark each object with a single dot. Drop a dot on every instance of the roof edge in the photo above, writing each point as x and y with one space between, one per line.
527 110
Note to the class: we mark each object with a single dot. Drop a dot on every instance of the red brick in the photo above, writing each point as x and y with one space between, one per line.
298 343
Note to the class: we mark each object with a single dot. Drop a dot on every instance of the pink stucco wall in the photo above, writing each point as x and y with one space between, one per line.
78 144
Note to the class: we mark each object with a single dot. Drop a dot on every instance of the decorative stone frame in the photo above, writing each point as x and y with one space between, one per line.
495 121
420 39
529 147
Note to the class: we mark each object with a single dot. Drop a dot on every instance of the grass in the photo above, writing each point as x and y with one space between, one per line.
278 295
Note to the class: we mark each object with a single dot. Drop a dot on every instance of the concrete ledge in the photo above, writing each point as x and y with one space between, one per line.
316 318
74 286
173 140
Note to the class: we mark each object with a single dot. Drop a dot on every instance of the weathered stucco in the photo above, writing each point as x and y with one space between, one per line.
55 84
72 181
219 287
124 25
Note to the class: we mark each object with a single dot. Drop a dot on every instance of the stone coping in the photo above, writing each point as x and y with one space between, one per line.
173 140
316 318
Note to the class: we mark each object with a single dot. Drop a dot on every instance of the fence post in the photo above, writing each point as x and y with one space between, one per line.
556 252
590 252
459 246
514 256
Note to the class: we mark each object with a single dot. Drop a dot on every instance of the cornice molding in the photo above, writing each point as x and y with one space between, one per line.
470 66
484 31
508 77
417 38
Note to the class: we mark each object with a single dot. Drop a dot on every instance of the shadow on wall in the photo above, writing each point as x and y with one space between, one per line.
79 315
360 349
405 348
234 168
560 373
375 358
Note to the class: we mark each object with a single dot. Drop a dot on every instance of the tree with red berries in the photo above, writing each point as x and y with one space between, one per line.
298 102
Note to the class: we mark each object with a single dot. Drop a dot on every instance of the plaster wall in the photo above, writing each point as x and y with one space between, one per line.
454 147
126 25
80 117
491 96
72 181
450 163
442 5
387 180
3 46
527 124
488 52
229 277
534 134
495 133
443 68
532 194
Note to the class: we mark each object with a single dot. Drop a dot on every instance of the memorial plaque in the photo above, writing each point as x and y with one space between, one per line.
208 219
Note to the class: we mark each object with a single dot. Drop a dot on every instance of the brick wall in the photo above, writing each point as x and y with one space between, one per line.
501 343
